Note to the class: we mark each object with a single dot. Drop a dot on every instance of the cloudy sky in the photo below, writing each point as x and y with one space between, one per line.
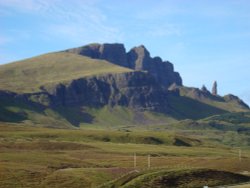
205 40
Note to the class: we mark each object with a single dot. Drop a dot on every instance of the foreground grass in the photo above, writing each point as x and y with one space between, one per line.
40 157
177 178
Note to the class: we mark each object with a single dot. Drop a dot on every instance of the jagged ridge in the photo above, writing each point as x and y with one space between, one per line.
138 58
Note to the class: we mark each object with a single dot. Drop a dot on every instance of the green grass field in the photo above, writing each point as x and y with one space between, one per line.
89 157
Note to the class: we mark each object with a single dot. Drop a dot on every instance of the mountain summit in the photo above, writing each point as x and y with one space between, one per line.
92 83
138 59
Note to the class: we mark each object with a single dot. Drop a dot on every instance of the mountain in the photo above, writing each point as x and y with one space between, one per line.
138 58
103 84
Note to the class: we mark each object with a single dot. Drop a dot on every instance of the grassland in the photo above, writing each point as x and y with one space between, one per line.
181 178
89 157
28 75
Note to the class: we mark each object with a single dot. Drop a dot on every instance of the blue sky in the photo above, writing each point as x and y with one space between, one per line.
205 40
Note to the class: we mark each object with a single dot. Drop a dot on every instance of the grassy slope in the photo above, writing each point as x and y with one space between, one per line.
28 75
17 111
39 157
178 178
124 119
186 108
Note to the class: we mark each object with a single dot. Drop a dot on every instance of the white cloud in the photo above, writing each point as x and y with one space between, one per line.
24 5
80 21
71 20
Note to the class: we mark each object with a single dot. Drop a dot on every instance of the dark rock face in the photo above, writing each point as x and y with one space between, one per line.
204 89
91 50
163 71
114 53
137 58
137 90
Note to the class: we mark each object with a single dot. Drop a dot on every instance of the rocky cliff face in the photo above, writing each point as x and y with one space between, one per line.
137 90
137 58
114 53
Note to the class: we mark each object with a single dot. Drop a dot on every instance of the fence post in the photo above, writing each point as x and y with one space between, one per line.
240 155
134 160
149 161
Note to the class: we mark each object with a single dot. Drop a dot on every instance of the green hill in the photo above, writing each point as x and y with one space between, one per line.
29 74
103 85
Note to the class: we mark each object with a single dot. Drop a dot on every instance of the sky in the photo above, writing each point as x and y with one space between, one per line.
206 40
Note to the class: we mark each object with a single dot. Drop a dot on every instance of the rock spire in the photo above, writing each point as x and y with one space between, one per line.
214 88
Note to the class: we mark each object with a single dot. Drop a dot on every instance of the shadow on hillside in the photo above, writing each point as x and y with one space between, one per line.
9 116
186 108
14 109
75 115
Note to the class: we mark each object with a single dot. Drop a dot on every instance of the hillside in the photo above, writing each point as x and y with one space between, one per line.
30 74
103 84
228 102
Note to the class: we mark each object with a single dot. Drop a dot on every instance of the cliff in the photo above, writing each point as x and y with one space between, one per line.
137 90
138 58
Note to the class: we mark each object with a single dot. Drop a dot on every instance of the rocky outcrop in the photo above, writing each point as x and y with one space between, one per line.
228 102
137 58
114 53
137 90
236 100
204 89
163 71
196 93
214 88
